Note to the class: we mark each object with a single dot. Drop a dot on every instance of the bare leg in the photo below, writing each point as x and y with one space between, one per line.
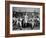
20 26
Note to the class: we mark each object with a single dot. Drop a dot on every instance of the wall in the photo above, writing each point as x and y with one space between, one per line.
2 19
